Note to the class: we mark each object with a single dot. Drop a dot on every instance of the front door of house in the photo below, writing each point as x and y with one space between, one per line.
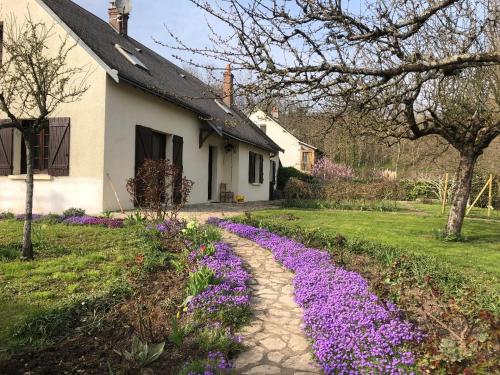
272 180
211 156
149 145
177 155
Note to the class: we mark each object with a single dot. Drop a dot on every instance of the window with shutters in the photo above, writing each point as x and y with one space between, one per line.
255 168
50 149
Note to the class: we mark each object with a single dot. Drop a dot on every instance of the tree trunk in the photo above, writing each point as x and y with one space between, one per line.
461 195
27 253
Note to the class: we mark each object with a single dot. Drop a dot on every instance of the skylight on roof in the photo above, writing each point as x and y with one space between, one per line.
131 57
224 107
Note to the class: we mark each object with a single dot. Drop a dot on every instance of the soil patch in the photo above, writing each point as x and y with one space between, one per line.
95 351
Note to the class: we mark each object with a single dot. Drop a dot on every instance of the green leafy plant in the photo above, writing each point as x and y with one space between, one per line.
217 339
201 235
107 214
143 353
51 219
443 236
74 212
350 205
178 261
200 280
7 216
285 173
136 218
179 332
191 230
210 235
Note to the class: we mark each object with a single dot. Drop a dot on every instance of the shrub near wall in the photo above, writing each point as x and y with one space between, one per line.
286 173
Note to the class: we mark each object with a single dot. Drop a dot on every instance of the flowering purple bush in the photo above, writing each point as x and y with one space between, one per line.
351 329
173 227
34 217
232 291
92 220
326 170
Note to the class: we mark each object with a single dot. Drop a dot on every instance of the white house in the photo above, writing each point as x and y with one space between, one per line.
139 106
296 153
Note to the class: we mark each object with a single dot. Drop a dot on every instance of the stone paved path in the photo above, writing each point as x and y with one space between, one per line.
275 341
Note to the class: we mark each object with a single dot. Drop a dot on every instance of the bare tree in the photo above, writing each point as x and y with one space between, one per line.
380 55
35 78
463 109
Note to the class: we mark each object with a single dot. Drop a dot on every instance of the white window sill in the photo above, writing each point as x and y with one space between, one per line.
256 184
36 177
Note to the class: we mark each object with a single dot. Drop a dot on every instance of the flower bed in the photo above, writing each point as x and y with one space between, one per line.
91 220
223 302
231 292
351 329
34 217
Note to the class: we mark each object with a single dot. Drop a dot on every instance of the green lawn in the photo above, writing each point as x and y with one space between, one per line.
478 254
475 213
73 264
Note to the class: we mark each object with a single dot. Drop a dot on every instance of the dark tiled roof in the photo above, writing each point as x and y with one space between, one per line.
163 78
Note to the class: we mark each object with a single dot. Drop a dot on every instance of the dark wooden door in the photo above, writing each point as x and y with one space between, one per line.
143 146
149 145
177 155
272 180
211 155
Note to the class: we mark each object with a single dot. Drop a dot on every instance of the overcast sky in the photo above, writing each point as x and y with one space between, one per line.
149 17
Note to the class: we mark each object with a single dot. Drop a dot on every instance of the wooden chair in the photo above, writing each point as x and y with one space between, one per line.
225 196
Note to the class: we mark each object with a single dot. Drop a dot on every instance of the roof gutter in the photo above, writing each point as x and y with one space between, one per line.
251 143
113 73
308 145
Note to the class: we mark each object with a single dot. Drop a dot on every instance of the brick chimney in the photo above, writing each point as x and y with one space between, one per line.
227 88
118 21
275 113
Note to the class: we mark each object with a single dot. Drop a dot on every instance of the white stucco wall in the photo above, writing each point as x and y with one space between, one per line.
127 107
83 188
292 157
256 191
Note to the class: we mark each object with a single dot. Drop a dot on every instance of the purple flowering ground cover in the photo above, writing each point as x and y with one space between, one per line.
92 220
352 330
231 291
228 296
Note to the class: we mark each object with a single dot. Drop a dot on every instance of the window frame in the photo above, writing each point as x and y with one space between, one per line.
257 176
308 162
42 141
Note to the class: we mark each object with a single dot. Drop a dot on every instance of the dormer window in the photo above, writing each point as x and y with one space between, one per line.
224 107
133 59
